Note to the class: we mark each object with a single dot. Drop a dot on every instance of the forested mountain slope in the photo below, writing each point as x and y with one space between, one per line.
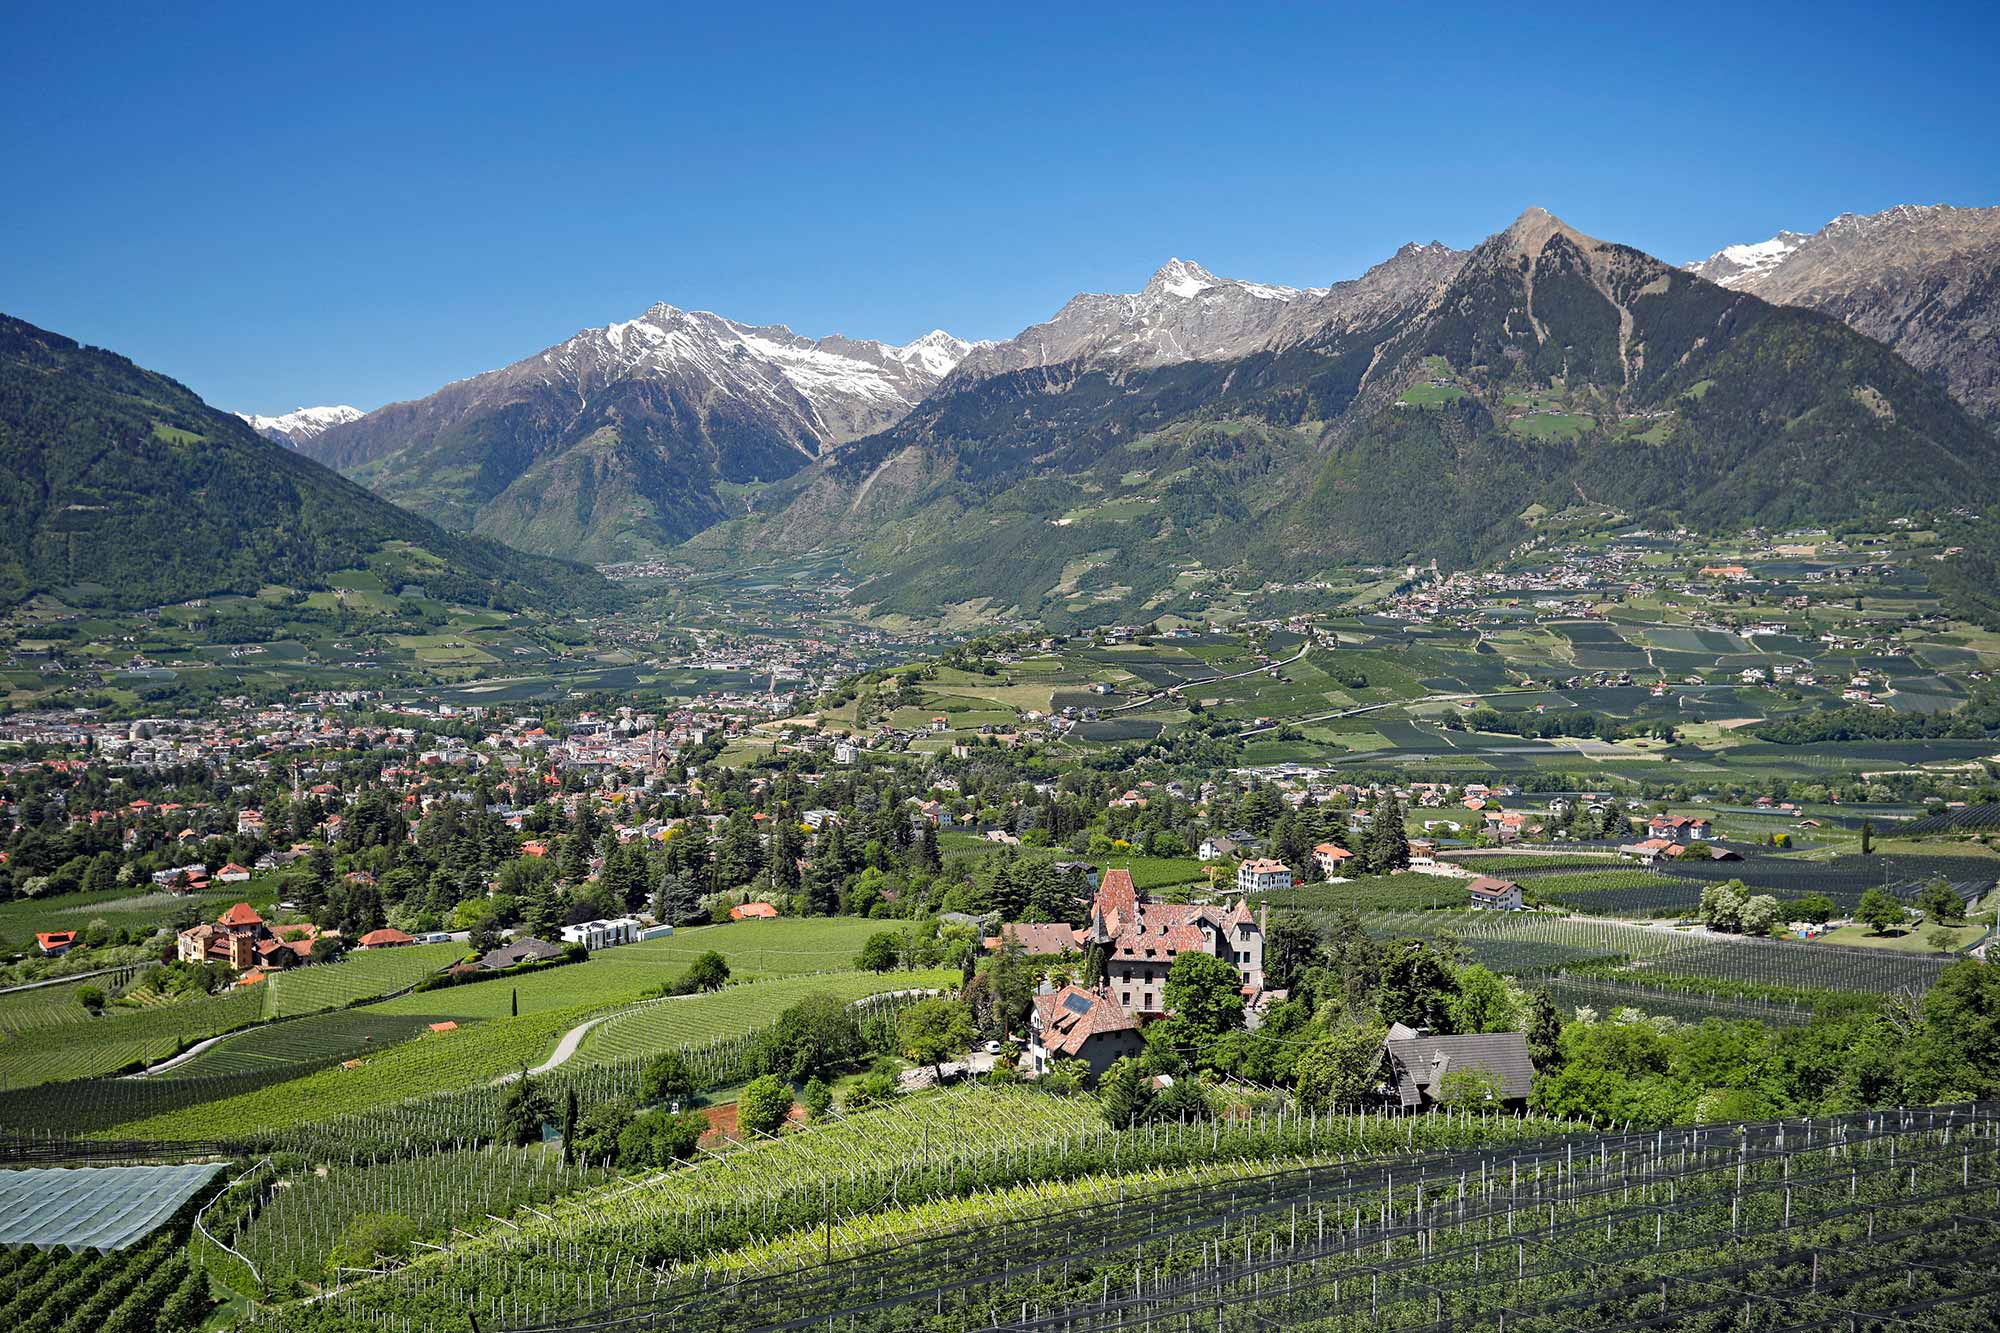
122 489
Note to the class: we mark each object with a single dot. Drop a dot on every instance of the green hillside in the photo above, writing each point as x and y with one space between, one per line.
1553 371
124 490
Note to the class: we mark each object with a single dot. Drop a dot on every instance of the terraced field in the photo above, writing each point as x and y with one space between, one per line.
696 1020
361 975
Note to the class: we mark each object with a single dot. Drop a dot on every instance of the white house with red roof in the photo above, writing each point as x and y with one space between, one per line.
1330 857
1494 895
1262 875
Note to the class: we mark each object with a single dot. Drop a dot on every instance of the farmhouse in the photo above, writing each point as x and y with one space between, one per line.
752 911
1494 895
530 950
388 937
1647 852
1680 828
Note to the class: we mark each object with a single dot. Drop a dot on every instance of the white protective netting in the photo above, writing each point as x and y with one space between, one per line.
94 1207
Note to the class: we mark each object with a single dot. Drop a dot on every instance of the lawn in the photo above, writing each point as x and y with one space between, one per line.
1909 939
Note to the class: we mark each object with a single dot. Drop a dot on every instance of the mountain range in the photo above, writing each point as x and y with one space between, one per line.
124 490
1122 456
301 424
1924 279
624 440
1471 399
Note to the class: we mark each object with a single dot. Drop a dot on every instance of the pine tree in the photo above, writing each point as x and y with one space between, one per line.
1545 1032
1388 844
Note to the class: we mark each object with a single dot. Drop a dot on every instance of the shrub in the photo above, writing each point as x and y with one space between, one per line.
764 1104
372 1237
661 1138
667 1079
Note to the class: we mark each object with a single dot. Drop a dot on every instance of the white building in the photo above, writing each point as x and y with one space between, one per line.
1263 875
595 935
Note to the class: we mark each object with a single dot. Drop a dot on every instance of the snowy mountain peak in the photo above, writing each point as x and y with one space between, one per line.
936 353
1737 265
1180 278
300 424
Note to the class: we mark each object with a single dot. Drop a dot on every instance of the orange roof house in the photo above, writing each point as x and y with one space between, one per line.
748 911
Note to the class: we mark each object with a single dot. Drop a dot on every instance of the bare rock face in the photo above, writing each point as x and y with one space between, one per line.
1186 313
1924 279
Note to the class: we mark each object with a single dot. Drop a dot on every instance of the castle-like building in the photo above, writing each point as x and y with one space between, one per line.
1133 944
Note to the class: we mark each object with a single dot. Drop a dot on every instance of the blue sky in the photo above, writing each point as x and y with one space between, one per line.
285 205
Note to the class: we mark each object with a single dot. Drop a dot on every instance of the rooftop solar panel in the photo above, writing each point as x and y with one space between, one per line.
1076 1004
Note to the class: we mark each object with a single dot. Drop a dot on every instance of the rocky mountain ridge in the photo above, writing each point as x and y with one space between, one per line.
1922 278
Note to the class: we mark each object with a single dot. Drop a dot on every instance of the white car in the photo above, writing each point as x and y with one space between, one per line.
993 1048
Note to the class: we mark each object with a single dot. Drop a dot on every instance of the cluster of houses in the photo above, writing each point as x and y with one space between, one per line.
1138 942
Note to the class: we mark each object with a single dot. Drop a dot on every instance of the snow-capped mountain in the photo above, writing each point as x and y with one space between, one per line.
1186 313
1743 265
301 424
1923 278
614 442
1183 313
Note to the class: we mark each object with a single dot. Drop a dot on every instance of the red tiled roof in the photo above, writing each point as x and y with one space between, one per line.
1116 896
1160 943
1072 1015
375 939
240 915
1038 938
1488 887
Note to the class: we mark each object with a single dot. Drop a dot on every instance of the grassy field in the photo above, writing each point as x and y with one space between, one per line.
1914 939
120 1038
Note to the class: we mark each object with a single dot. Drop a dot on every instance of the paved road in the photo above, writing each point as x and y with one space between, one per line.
1211 680
565 1048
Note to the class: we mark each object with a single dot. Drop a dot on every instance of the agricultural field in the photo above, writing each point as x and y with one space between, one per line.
122 1038
782 947
1372 893
1529 943
359 975
1758 1215
699 1020
1968 819
1620 892
146 1286
889 1173
1786 968
489 1044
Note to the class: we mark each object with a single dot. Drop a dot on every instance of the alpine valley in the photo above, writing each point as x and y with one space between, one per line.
1203 440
